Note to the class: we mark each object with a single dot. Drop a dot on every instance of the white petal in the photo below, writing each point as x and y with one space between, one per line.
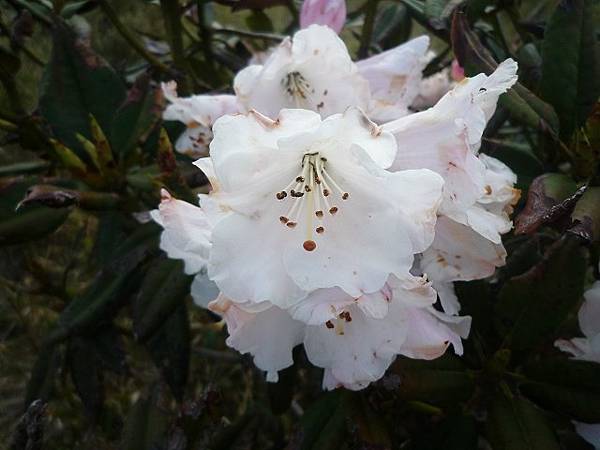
590 432
432 89
459 253
321 305
269 336
446 137
448 298
589 314
394 77
194 141
356 352
325 78
186 234
430 332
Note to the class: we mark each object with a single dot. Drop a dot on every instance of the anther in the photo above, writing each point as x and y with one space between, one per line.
284 219
319 213
326 192
333 210
307 188
345 196
299 179
281 195
329 324
309 245
295 194
291 224
320 230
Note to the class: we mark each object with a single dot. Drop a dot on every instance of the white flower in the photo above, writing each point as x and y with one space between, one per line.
478 190
587 349
198 113
394 78
432 89
310 204
352 342
323 12
314 71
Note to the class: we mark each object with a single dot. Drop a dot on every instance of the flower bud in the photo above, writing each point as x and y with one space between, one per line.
331 13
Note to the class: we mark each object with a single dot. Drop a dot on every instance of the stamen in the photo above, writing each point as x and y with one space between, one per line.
333 210
320 230
284 220
319 214
291 224
345 196
281 195
309 245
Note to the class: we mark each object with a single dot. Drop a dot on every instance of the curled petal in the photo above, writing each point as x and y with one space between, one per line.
186 234
590 432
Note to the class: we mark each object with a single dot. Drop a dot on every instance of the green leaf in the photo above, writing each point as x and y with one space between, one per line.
170 350
324 423
164 288
392 25
442 380
43 375
146 425
586 215
75 84
86 373
516 424
29 222
136 118
532 306
571 64
522 104
565 385
111 288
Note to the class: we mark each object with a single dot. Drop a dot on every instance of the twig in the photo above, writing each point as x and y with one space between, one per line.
367 30
135 43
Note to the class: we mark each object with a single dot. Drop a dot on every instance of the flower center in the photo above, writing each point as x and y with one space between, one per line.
312 191
297 87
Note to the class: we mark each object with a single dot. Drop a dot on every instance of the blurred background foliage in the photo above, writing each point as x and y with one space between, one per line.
100 344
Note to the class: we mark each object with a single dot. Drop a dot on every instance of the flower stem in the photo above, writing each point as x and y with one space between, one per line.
131 38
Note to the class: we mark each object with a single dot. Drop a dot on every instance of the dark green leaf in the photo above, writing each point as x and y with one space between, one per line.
86 373
324 423
111 288
43 375
164 288
516 424
170 350
586 215
136 118
77 83
146 425
441 380
455 432
571 63
566 386
392 25
532 306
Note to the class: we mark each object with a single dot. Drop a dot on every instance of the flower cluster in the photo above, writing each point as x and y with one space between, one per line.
333 224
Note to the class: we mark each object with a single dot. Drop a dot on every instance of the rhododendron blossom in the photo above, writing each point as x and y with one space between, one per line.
198 113
478 189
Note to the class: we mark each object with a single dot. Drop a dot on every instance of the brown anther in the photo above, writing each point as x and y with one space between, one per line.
333 210
299 179
291 224
319 213
345 196
284 219
323 159
309 245
307 188
326 192
317 180
329 324
320 230
281 195
295 194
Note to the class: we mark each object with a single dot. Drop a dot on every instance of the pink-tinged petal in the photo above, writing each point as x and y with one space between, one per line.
457 72
331 13
460 253
186 234
268 335
394 78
